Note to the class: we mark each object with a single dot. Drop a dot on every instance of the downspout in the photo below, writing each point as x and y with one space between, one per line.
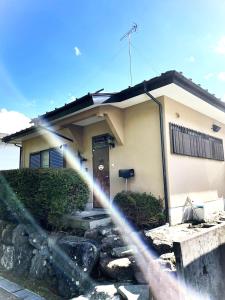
162 149
20 159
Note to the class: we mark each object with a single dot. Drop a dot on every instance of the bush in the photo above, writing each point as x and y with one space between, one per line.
144 210
47 194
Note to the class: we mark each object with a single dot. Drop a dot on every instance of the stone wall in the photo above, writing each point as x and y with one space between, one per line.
72 265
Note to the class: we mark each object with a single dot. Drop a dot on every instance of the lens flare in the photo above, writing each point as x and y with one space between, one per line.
163 286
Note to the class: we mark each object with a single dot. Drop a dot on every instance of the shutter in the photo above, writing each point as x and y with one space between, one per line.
35 160
189 142
56 158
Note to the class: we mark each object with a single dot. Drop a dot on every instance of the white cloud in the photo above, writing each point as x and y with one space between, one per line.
77 51
220 46
221 76
191 59
12 121
208 76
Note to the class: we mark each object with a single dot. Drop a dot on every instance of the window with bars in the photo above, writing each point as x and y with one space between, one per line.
51 158
185 141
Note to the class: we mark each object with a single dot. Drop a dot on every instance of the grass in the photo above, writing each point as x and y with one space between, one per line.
39 287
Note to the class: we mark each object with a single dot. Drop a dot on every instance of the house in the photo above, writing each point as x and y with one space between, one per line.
9 155
168 131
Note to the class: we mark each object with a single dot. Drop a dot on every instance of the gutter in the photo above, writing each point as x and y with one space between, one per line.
165 187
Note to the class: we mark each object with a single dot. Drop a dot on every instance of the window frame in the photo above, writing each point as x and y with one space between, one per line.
49 150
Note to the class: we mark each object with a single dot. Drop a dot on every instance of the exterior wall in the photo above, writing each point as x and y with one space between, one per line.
43 142
141 149
199 178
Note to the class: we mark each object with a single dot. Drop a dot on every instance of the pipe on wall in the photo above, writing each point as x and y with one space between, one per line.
165 187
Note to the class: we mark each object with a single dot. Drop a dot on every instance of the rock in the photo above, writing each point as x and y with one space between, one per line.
22 259
103 292
93 234
53 239
3 225
7 234
16 250
119 269
129 292
19 235
166 264
37 239
169 256
162 246
106 230
8 257
40 264
111 241
122 251
73 261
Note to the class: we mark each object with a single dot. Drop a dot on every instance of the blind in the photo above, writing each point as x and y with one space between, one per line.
56 158
185 141
35 160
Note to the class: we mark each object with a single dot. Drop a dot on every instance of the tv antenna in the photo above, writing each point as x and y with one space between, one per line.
128 35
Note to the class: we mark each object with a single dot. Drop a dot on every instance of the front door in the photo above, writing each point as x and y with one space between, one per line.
100 150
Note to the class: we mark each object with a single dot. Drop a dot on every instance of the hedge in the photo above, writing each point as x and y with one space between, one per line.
47 194
142 209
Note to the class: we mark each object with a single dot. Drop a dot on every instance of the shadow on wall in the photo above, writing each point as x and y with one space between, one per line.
201 262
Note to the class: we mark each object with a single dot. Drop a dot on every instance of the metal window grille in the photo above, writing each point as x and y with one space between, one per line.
185 141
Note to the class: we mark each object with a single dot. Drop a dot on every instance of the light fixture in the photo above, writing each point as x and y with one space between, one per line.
216 128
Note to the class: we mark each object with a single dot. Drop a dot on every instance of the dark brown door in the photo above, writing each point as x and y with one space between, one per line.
101 170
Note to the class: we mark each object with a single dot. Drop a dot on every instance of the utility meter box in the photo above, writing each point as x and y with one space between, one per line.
126 173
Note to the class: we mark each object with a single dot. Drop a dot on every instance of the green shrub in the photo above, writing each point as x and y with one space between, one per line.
144 210
47 194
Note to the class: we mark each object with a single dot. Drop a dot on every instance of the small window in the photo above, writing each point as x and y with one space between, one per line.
51 158
185 141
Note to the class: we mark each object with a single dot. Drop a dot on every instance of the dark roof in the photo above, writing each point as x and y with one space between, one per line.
69 108
20 134
165 79
154 83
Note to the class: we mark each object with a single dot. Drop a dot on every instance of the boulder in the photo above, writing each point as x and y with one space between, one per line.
125 251
8 257
22 259
37 239
120 269
7 234
3 225
19 235
111 241
93 234
16 252
162 246
73 260
129 292
103 292
40 264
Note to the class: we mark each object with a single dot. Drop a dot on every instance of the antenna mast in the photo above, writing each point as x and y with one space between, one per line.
128 35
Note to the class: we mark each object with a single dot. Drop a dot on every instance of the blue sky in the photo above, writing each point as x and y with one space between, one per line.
53 51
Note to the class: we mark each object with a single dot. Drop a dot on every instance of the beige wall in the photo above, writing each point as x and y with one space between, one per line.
201 179
141 149
43 142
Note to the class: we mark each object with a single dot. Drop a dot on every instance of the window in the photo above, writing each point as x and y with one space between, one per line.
189 142
51 158
45 159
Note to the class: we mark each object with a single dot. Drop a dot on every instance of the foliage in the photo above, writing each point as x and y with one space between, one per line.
47 194
143 209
